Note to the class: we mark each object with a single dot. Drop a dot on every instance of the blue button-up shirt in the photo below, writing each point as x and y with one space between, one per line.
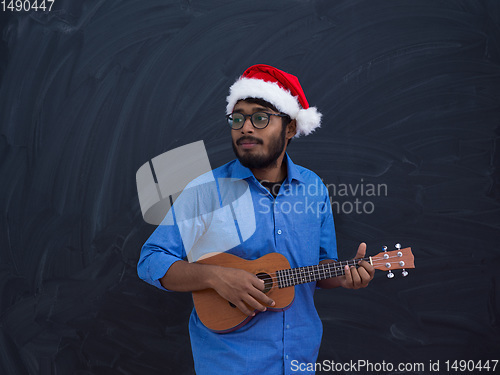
298 223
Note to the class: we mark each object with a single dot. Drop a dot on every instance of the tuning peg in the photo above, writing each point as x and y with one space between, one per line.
404 273
384 248
397 246
390 275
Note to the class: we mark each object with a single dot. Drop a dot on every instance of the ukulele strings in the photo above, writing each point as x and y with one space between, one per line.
337 270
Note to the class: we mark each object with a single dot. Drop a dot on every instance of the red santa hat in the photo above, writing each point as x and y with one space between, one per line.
279 88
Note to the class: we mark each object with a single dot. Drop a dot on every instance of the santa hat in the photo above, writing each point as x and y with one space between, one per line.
279 88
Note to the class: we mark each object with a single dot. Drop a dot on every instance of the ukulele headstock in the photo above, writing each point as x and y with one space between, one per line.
394 260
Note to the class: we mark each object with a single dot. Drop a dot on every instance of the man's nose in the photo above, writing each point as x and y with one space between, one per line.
247 126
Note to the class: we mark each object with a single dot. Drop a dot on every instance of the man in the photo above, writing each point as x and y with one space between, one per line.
266 109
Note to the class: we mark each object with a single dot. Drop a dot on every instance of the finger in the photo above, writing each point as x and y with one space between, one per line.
258 283
262 297
244 308
253 303
348 277
261 285
361 251
356 279
368 267
364 275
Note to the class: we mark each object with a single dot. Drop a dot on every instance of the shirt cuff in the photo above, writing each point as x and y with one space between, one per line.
158 267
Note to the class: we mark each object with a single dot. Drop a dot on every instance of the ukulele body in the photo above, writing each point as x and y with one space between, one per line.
219 315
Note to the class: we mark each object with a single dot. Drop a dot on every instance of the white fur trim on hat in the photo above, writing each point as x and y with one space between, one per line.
307 119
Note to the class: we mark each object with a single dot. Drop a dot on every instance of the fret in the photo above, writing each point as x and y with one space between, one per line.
302 276
340 271
305 275
328 271
321 268
314 273
338 268
296 274
331 270
310 274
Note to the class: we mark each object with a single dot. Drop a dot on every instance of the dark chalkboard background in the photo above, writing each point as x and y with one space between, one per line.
410 92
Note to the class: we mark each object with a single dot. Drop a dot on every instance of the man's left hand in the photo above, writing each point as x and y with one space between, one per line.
356 278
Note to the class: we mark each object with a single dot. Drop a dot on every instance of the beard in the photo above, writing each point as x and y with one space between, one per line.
276 147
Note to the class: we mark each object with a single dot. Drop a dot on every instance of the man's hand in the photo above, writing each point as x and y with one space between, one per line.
356 278
242 289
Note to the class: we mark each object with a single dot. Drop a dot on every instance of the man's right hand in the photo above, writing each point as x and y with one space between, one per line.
242 289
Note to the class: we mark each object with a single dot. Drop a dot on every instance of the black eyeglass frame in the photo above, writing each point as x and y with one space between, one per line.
228 117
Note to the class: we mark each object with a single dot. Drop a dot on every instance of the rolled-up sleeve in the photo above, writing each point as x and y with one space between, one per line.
163 248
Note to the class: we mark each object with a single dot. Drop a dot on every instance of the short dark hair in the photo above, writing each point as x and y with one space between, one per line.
264 103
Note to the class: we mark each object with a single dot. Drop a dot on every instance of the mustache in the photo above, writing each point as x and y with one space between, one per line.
249 138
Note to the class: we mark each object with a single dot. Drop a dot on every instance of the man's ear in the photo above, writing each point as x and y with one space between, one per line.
291 129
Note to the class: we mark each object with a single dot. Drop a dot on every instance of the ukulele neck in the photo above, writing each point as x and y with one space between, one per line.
301 275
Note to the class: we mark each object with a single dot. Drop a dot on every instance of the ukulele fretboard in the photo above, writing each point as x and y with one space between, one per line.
301 275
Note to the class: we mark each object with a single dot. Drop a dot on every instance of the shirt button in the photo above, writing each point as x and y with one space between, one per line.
288 326
286 357
279 231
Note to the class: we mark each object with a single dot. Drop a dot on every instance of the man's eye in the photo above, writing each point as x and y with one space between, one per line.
237 119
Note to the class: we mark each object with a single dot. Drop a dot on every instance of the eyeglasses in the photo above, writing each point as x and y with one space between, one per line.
259 119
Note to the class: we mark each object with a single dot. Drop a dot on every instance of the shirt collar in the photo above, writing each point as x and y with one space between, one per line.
241 172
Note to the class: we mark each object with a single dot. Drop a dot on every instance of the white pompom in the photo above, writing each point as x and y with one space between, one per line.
307 121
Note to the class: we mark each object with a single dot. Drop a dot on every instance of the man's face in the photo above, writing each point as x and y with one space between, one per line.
258 148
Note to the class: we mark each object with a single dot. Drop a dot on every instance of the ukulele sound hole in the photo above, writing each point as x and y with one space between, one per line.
268 281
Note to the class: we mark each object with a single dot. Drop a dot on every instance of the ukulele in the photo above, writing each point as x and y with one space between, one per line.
221 316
